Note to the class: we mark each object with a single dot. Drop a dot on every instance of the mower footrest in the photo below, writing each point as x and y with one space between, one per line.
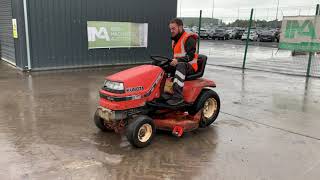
167 106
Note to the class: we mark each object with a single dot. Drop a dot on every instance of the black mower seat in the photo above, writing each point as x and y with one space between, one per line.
202 61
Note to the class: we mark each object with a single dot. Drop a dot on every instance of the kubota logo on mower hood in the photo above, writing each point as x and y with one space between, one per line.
133 89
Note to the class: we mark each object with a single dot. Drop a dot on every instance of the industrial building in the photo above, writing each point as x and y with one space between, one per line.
52 34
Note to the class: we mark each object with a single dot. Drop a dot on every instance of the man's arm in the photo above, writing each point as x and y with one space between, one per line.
190 48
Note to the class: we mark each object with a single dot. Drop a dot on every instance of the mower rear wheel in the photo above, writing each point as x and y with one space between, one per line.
141 131
100 123
209 103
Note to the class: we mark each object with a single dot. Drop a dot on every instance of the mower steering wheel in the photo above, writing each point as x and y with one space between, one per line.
161 60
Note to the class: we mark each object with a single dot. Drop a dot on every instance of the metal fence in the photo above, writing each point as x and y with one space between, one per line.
261 55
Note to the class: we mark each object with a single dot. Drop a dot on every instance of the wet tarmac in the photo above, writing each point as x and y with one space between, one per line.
268 129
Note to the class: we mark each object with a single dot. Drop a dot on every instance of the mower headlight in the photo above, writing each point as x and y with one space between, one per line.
114 85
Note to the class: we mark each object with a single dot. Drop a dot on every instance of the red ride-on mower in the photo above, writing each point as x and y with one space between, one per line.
134 100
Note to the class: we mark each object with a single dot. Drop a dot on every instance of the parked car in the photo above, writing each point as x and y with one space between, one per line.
258 31
238 33
204 34
211 32
187 30
252 37
266 36
220 34
194 29
231 33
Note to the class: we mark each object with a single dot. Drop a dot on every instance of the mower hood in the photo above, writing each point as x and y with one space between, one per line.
138 80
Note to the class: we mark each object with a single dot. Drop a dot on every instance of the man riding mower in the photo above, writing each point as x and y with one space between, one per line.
145 98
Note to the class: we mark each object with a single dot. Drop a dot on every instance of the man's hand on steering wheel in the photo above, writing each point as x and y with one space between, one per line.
174 62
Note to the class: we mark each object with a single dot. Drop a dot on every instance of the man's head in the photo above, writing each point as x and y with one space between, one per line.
176 27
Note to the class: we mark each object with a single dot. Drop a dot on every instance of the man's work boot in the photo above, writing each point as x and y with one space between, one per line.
166 96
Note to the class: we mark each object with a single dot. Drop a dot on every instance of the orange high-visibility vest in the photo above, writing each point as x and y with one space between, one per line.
179 49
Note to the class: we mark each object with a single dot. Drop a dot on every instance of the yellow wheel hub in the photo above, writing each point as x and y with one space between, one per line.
210 107
145 132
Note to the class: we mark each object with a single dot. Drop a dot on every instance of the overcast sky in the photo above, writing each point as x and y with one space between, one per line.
229 10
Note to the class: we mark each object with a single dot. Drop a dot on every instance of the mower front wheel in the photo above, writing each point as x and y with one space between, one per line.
141 131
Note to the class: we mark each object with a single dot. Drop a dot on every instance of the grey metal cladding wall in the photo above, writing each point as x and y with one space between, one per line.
6 37
59 30
20 43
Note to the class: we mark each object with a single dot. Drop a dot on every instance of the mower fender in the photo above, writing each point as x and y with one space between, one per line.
193 88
